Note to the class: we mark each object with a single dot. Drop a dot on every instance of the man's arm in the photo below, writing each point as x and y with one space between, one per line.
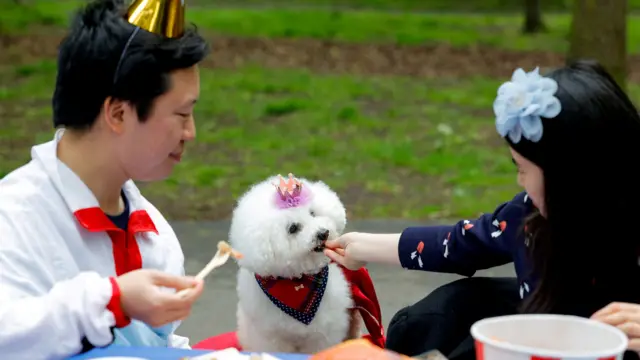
56 324
467 246
38 322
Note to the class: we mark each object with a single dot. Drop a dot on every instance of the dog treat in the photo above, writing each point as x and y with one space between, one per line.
224 248
220 258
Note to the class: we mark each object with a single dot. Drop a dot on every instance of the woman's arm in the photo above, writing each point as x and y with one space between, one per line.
462 248
380 248
468 245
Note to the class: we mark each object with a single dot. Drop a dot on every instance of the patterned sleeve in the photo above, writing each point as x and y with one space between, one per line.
469 245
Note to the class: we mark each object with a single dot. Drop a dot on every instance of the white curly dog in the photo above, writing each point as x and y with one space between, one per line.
291 299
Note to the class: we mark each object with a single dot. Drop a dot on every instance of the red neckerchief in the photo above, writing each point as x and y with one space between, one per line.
126 253
298 297
301 297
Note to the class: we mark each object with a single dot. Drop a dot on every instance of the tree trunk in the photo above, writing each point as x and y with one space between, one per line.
599 32
533 17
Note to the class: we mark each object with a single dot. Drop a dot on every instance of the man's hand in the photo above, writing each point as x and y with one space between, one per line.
624 316
143 300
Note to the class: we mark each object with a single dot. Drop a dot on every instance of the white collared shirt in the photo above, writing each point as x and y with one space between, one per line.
55 264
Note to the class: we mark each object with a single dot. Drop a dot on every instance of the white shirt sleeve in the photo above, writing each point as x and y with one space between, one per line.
40 321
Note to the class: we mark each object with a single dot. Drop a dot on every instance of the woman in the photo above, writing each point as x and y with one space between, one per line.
573 136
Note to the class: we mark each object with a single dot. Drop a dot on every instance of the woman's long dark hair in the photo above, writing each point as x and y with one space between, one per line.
585 250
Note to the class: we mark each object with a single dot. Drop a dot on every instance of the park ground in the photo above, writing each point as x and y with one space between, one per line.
391 109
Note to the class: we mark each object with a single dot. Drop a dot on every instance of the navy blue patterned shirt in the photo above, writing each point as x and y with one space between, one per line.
491 240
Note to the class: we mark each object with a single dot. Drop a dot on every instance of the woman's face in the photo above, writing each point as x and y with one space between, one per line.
530 177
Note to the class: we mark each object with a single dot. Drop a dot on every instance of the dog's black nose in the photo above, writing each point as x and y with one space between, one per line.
323 235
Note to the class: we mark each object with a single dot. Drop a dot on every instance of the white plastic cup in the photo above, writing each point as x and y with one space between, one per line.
547 337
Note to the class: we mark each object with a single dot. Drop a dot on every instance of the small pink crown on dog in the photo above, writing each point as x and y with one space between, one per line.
290 188
290 192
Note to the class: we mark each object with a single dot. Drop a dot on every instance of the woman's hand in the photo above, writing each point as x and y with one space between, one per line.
341 250
624 316
354 250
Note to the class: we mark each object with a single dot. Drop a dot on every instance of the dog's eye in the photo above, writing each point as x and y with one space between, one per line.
294 228
313 213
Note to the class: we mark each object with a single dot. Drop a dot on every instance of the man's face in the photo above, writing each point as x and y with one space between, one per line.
149 150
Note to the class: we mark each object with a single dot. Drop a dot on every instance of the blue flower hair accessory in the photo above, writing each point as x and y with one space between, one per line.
522 101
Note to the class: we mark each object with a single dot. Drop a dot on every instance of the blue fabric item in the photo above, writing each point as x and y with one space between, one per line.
140 334
152 353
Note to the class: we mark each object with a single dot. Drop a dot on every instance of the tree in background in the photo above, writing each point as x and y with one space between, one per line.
533 17
599 32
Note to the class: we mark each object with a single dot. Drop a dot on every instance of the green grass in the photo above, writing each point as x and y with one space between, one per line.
501 31
390 146
14 18
395 5
497 30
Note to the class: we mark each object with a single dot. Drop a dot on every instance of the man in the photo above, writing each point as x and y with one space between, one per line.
83 255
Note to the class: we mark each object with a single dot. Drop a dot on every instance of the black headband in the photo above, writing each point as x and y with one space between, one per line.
124 52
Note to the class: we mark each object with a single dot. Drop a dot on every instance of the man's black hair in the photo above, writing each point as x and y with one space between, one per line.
90 53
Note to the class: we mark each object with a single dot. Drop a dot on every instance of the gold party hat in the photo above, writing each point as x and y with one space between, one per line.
163 17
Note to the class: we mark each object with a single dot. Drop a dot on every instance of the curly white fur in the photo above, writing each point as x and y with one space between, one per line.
260 231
